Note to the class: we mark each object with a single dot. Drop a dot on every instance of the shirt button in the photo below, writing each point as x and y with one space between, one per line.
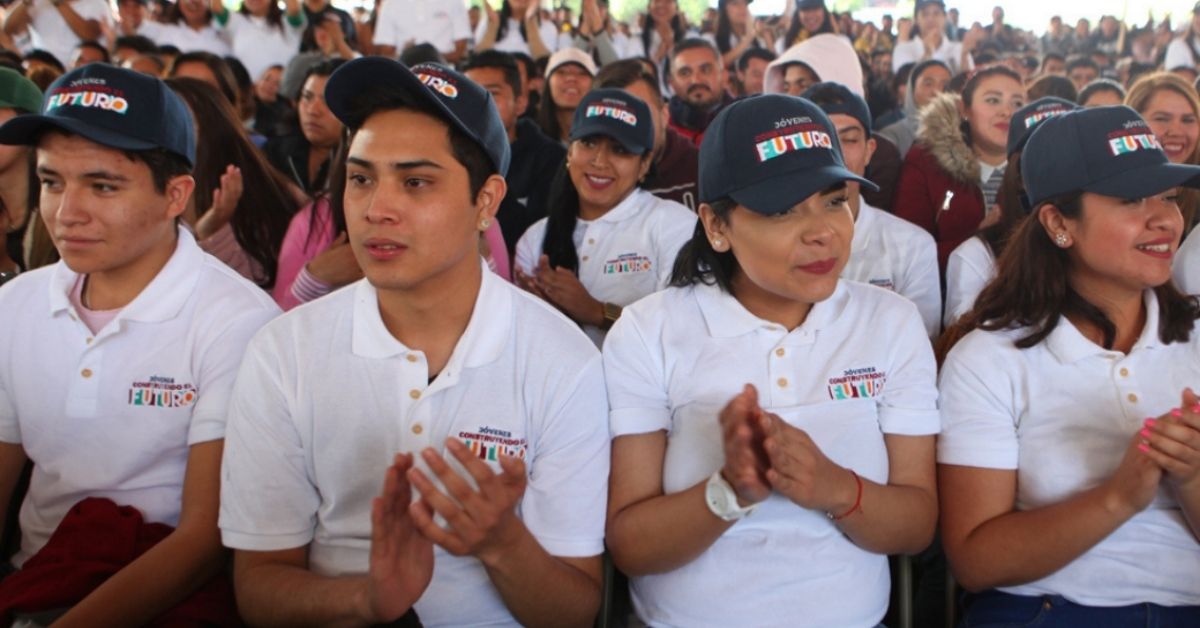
591 240
86 373
1132 398
779 352
584 258
417 429
414 393
1124 372
410 357
782 382
89 340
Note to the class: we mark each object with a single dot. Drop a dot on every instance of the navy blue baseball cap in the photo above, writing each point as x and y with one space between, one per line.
848 102
617 114
111 106
770 152
1028 117
1103 150
462 102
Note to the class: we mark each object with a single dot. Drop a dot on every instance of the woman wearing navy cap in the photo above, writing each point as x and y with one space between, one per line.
766 441
606 242
1069 460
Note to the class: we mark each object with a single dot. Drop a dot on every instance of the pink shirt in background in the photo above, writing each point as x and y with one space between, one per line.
94 319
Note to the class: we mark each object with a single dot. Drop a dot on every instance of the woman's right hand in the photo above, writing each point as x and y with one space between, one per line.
336 265
745 459
1134 484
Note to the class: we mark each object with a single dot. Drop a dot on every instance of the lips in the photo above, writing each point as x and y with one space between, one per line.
1159 249
383 249
597 182
821 267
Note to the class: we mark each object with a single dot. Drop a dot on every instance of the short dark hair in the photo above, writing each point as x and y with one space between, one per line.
164 165
527 61
421 53
168 50
138 43
219 68
95 45
379 98
692 43
324 68
10 59
44 57
626 72
1053 56
753 52
498 60
1082 61
1051 85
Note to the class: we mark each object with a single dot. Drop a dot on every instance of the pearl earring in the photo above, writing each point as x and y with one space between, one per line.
485 223
1061 240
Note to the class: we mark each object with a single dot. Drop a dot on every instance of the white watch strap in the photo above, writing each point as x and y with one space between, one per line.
722 499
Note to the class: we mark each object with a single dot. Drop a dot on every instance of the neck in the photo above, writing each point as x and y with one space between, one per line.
1123 306
564 122
115 288
314 5
989 156
591 211
767 306
432 316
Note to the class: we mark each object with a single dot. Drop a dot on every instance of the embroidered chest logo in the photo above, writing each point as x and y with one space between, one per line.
885 283
162 392
488 443
857 384
627 263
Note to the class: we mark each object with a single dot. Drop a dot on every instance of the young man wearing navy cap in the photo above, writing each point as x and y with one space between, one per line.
117 363
429 379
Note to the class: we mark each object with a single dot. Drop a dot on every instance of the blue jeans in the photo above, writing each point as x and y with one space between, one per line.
994 609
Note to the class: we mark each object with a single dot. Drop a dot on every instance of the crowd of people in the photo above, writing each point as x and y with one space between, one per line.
413 317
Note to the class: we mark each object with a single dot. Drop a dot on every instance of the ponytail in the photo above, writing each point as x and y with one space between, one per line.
563 204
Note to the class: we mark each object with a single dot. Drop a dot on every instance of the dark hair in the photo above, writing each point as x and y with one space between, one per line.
648 29
547 114
1011 199
753 52
698 262
919 68
693 43
1052 56
424 52
498 60
505 13
168 50
384 97
164 165
274 14
827 94
1032 289
985 57
621 74
44 57
724 32
972 84
220 70
174 15
1100 85
1082 61
1052 85
10 59
900 78
138 43
266 207
793 31
95 45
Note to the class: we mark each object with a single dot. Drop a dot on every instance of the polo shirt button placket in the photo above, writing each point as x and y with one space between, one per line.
416 435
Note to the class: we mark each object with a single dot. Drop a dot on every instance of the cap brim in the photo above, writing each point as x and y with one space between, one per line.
1147 181
24 130
592 131
775 196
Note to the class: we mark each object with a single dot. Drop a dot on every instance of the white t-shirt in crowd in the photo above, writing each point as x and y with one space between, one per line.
112 414
436 22
1062 414
514 42
1186 267
186 39
913 51
327 396
895 254
49 31
675 358
968 270
1178 54
625 254
258 44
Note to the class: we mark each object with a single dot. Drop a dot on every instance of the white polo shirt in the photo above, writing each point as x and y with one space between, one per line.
1062 414
183 37
895 254
258 44
969 269
437 22
913 51
327 396
49 31
625 254
675 358
1186 267
514 42
112 414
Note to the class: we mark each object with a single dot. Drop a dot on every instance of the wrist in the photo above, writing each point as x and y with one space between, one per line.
850 495
507 543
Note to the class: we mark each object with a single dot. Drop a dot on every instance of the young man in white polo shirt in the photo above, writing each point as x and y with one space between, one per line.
117 363
887 251
495 400
405 23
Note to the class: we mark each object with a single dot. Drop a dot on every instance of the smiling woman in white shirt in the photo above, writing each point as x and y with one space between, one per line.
757 382
606 242
1061 500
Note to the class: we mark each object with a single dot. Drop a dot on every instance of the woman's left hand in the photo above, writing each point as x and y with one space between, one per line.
562 288
801 472
1173 441
224 202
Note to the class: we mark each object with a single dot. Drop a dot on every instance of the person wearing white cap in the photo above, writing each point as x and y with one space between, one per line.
568 77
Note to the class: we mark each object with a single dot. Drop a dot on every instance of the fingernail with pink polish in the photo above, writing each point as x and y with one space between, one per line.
1145 432
1143 447
1150 422
1176 412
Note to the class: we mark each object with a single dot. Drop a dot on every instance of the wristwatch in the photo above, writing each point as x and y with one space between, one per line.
611 313
722 500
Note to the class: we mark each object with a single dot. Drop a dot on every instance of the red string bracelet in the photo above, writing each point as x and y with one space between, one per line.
857 499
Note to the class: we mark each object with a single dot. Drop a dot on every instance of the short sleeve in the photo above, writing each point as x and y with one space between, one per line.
549 36
460 22
978 420
675 230
10 428
634 373
529 247
93 10
268 500
921 283
387 32
909 402
565 502
964 281
218 369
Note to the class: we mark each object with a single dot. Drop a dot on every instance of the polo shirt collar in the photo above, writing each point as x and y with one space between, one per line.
482 342
1069 345
161 299
627 208
726 317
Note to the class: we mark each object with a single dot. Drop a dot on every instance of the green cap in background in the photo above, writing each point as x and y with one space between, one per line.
18 92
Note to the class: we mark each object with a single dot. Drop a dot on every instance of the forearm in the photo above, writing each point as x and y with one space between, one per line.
604 48
533 35
386 51
459 53
1023 546
663 533
1189 502
891 519
155 582
17 18
84 29
489 36
541 590
275 594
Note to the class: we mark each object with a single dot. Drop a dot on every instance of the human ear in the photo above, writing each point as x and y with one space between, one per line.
715 228
178 192
487 202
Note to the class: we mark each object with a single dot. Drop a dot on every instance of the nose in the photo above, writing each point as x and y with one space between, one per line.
383 207
71 210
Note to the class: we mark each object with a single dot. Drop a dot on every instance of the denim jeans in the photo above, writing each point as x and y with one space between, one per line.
994 609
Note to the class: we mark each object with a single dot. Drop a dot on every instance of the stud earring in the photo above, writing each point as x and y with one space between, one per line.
1061 240
485 223
717 244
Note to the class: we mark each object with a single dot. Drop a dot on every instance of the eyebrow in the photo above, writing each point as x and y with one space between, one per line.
852 127
398 165
95 174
